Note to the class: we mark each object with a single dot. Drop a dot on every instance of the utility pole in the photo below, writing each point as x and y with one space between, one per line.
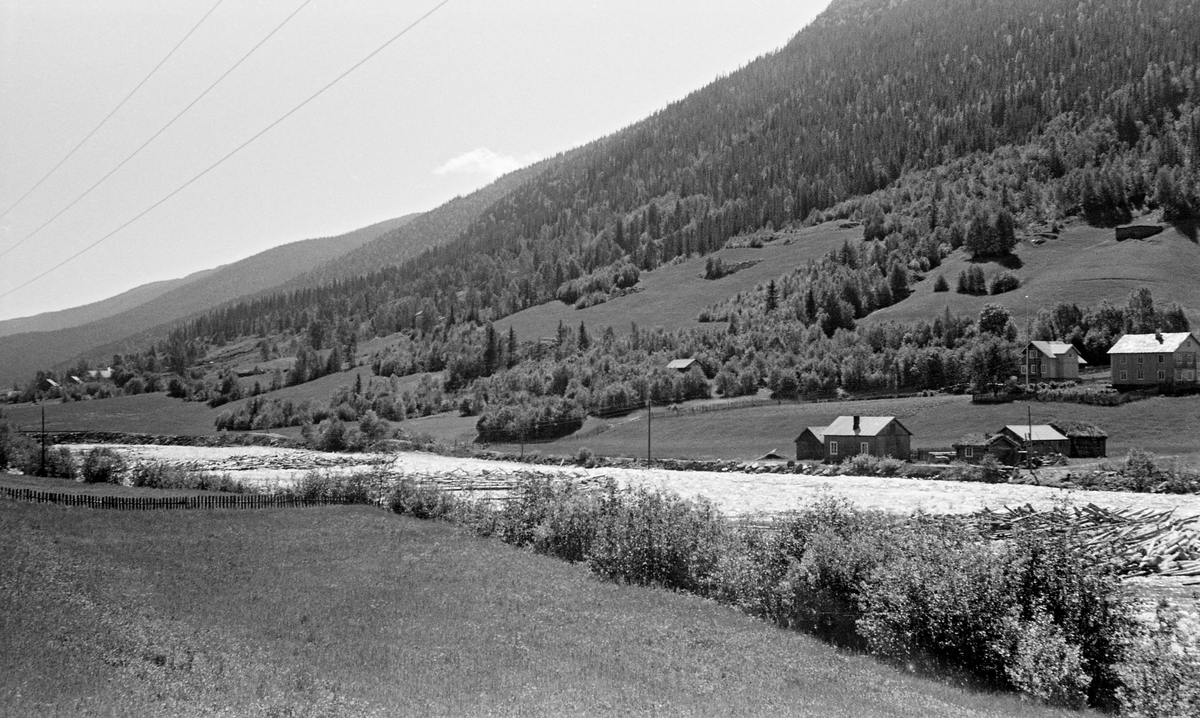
1029 439
649 409
42 404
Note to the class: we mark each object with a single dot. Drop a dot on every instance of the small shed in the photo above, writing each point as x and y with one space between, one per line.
973 447
681 365
876 435
1043 439
810 445
1087 441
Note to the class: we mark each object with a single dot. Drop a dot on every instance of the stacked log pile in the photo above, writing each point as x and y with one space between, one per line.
1136 542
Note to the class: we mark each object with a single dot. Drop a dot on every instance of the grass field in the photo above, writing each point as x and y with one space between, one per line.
139 414
349 611
1084 265
1163 425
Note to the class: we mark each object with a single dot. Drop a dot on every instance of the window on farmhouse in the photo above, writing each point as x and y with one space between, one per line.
1124 360
1141 360
1141 374
833 448
864 448
1161 358
1161 375
970 452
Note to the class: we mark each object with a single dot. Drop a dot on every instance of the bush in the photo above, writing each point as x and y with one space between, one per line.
651 538
331 435
1044 664
323 485
15 447
1005 282
1160 675
160 475
421 500
59 462
585 456
102 465
871 465
1003 610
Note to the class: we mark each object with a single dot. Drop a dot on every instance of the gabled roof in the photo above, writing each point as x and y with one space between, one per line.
681 364
1036 432
1149 343
867 426
1052 349
817 431
1081 429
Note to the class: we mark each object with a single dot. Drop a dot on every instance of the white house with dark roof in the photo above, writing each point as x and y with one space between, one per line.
1051 360
1159 359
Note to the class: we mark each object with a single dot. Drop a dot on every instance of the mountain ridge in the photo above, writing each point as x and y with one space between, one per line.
21 354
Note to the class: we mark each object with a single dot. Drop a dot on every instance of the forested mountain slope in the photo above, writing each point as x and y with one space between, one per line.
870 91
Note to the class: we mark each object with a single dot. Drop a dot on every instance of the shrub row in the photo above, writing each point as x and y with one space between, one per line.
1031 614
1141 472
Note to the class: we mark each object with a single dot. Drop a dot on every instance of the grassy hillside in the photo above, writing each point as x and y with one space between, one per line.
23 354
353 612
672 295
1084 265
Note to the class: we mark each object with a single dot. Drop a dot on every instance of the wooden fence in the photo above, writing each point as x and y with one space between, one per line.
145 503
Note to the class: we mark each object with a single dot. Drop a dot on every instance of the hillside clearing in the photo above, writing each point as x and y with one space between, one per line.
1083 266
673 295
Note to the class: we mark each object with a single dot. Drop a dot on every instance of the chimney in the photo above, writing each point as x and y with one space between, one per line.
1158 335
856 423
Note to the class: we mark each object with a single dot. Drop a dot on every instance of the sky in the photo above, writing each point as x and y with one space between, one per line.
475 89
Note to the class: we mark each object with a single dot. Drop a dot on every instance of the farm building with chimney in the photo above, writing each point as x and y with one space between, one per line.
1164 360
876 435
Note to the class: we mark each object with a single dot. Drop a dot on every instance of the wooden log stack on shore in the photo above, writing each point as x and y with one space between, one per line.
1140 542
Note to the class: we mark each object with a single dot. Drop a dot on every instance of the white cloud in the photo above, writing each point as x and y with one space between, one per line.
484 161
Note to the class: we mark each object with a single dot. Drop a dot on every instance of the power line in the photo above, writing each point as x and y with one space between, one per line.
110 114
239 148
161 130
